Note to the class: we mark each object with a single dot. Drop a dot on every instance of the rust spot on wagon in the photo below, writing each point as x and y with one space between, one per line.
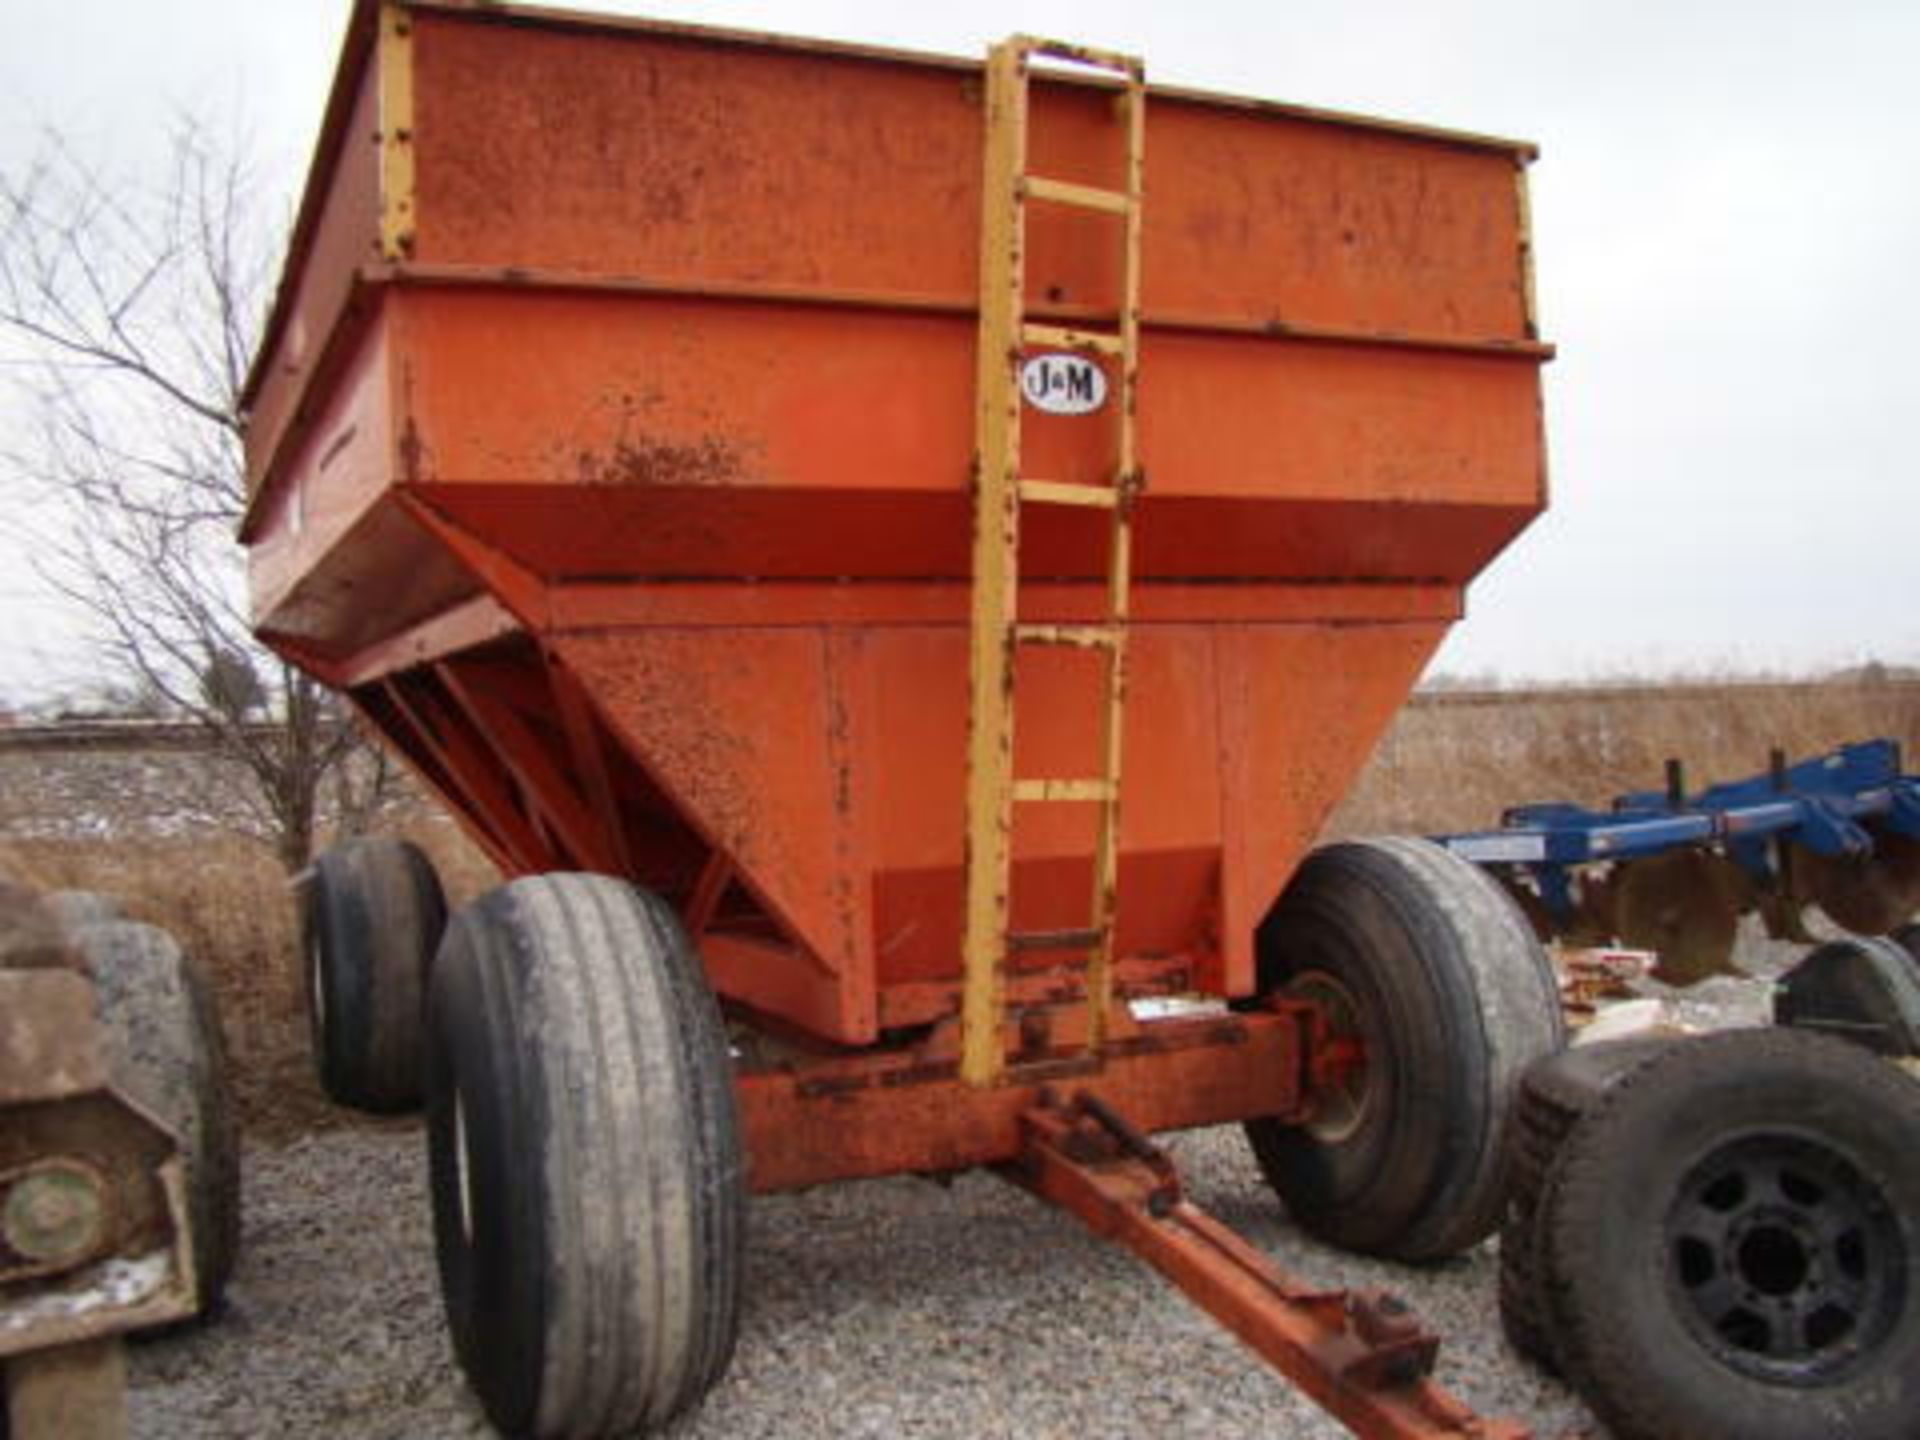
669 463
413 453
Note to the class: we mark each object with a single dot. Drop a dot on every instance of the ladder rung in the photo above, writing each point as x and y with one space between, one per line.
1062 337
1061 492
1055 939
1087 197
1062 790
1085 637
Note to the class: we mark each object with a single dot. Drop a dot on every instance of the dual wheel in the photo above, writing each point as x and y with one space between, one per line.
583 1146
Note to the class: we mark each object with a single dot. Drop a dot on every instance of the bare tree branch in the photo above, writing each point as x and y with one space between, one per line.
139 306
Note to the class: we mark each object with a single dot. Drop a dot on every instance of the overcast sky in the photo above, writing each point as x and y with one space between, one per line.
1727 216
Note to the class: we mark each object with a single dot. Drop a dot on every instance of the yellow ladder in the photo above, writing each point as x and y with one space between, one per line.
1000 491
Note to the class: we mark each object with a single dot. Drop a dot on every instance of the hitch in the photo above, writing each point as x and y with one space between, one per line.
1361 1356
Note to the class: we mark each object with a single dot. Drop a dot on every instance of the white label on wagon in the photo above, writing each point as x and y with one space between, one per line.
1063 384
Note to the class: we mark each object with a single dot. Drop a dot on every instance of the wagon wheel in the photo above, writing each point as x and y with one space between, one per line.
372 916
585 1159
1420 957
1755 1278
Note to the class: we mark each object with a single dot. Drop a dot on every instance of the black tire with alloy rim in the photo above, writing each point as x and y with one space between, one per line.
372 914
1730 1243
585 1162
1425 962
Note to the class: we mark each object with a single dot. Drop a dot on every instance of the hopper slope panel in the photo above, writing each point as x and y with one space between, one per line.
746 732
1302 709
673 157
827 761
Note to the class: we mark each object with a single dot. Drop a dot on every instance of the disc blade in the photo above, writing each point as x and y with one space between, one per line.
1871 895
1784 921
1593 925
1685 907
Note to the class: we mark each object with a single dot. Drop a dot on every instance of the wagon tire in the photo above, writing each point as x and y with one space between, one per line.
1424 959
1772 1189
372 917
165 1050
1862 989
1554 1094
584 1159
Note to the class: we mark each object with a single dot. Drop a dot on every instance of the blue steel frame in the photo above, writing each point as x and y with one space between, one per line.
1820 803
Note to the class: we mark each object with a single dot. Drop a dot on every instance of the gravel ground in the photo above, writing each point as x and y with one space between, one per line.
883 1308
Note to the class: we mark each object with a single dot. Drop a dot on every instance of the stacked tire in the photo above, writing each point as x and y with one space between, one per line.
1863 989
165 1050
1907 937
1720 1236
1554 1096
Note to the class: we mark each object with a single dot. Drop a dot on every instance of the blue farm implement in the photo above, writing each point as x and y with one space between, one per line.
1672 872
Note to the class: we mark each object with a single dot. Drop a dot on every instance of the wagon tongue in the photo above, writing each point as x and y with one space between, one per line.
1362 1356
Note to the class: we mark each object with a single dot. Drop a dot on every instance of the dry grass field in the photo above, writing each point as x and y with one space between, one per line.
229 902
1451 761
1454 761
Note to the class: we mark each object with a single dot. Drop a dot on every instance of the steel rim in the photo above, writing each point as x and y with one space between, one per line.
1787 1263
1340 1109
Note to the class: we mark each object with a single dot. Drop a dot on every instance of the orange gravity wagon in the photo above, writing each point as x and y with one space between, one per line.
915 551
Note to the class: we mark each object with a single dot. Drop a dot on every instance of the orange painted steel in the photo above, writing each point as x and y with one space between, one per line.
813 1120
1363 1358
610 446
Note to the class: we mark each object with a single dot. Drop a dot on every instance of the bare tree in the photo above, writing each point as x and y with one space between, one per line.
139 304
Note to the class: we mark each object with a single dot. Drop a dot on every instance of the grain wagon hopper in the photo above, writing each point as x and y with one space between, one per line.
914 551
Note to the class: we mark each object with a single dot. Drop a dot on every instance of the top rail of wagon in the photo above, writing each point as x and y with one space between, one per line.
362 27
